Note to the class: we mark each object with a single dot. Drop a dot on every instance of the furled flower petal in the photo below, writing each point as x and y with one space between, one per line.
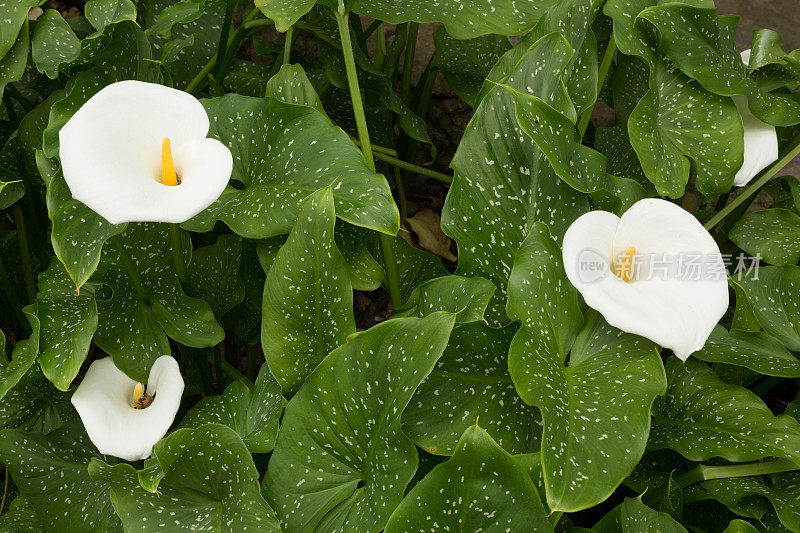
104 401
110 152
760 140
664 303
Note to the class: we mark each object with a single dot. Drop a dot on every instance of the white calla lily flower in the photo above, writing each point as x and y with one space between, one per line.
654 272
121 416
760 140
138 151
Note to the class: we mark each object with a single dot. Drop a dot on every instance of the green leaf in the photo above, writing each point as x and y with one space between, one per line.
740 526
539 293
14 15
50 471
503 183
702 417
285 12
77 233
54 43
462 21
677 121
20 518
464 297
12 65
471 382
281 154
772 234
366 273
636 517
291 85
205 480
783 492
35 405
702 45
481 488
147 302
198 20
596 409
101 13
465 64
751 349
68 321
352 402
554 134
774 296
308 300
214 274
22 357
253 415
10 192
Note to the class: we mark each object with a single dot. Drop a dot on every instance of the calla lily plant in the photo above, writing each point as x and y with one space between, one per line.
122 417
654 271
138 151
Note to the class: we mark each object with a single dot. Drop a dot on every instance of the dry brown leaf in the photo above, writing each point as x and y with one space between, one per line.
427 226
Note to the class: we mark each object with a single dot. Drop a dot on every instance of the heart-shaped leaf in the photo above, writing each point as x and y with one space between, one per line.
54 43
12 65
214 274
204 479
253 414
281 154
101 13
35 405
471 382
147 302
14 15
703 47
751 349
539 293
20 518
503 183
701 417
633 516
783 492
596 408
481 488
466 298
352 402
68 320
23 356
772 234
50 471
774 296
308 300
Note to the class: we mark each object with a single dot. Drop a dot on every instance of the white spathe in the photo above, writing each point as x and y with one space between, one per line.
760 140
676 312
104 401
110 153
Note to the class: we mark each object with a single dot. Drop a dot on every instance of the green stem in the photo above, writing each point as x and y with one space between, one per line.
408 61
24 251
763 177
422 171
380 45
605 65
202 77
287 47
401 194
386 243
234 374
220 384
224 36
149 13
176 243
704 472
767 385
251 363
